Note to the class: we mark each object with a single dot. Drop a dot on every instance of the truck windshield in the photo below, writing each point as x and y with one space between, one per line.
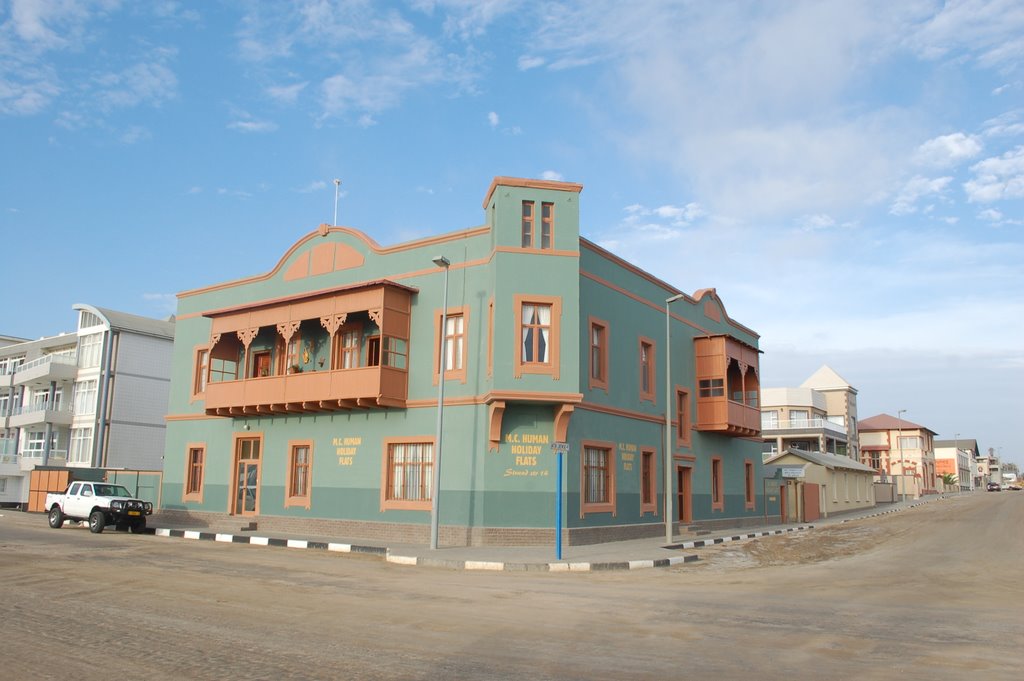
111 491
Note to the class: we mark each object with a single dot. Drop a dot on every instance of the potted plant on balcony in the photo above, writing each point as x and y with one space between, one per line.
295 369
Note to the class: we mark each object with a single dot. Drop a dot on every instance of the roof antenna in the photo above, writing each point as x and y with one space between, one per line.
337 186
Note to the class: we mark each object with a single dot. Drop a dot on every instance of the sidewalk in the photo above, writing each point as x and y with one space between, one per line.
624 555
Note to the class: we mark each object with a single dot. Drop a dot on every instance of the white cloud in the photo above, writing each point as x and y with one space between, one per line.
818 221
493 119
916 188
552 175
990 214
527 62
135 134
142 83
249 125
1008 124
998 177
314 186
948 150
286 94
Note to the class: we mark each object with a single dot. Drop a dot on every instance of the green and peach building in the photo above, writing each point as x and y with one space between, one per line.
306 398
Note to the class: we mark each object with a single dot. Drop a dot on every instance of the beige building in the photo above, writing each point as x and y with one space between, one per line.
901 452
819 416
827 483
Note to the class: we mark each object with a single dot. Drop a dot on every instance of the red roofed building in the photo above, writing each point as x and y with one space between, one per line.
901 452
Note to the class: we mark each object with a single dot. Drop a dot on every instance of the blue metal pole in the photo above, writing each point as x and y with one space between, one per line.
558 510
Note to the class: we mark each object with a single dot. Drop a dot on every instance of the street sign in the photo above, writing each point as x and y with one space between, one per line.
560 447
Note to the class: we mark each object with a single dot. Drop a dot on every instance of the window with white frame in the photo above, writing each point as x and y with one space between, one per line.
85 396
89 350
81 445
910 442
798 418
35 443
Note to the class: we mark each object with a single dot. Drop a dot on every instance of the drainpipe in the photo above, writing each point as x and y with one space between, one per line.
51 395
99 442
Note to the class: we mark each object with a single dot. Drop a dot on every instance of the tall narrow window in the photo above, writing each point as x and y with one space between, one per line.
648 496
597 479
201 369
373 351
195 462
596 475
682 417
409 474
598 354
292 360
537 319
456 347
300 461
717 491
647 378
350 348
527 224
536 337
547 218
748 478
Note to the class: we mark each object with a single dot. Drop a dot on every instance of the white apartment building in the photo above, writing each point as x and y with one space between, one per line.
819 416
94 398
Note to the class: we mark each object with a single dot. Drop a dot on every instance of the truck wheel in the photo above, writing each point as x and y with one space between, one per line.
137 526
96 522
56 518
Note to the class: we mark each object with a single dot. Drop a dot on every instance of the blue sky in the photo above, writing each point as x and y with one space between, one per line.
848 175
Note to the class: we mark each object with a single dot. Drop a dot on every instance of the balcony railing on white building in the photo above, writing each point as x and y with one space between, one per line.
803 424
48 360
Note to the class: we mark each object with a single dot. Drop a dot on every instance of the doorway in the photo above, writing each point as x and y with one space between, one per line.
247 476
261 364
684 484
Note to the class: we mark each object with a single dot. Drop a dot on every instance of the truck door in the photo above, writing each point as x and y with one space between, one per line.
79 495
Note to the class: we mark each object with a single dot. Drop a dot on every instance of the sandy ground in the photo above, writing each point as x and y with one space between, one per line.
929 593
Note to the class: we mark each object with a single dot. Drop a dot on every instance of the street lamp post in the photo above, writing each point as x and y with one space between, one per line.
435 483
903 466
668 417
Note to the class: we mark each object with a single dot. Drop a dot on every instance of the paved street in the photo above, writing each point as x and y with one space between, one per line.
933 592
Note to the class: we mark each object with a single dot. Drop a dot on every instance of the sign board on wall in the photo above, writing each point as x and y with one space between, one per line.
792 471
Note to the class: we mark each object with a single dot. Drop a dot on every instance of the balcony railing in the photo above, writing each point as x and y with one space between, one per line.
310 391
48 360
803 424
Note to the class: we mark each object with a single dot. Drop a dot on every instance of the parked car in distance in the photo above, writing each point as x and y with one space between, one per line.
994 487
1014 487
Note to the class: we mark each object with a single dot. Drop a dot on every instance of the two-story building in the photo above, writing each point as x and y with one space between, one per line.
818 416
92 398
311 396
901 452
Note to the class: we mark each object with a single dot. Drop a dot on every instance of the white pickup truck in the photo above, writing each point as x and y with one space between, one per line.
100 503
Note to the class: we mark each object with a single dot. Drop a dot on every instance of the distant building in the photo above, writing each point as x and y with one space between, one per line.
93 398
819 416
900 451
957 457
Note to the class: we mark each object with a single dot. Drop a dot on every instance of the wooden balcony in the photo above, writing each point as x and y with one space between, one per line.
724 416
312 391
728 387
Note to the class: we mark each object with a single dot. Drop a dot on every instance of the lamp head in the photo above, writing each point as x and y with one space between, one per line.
442 261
